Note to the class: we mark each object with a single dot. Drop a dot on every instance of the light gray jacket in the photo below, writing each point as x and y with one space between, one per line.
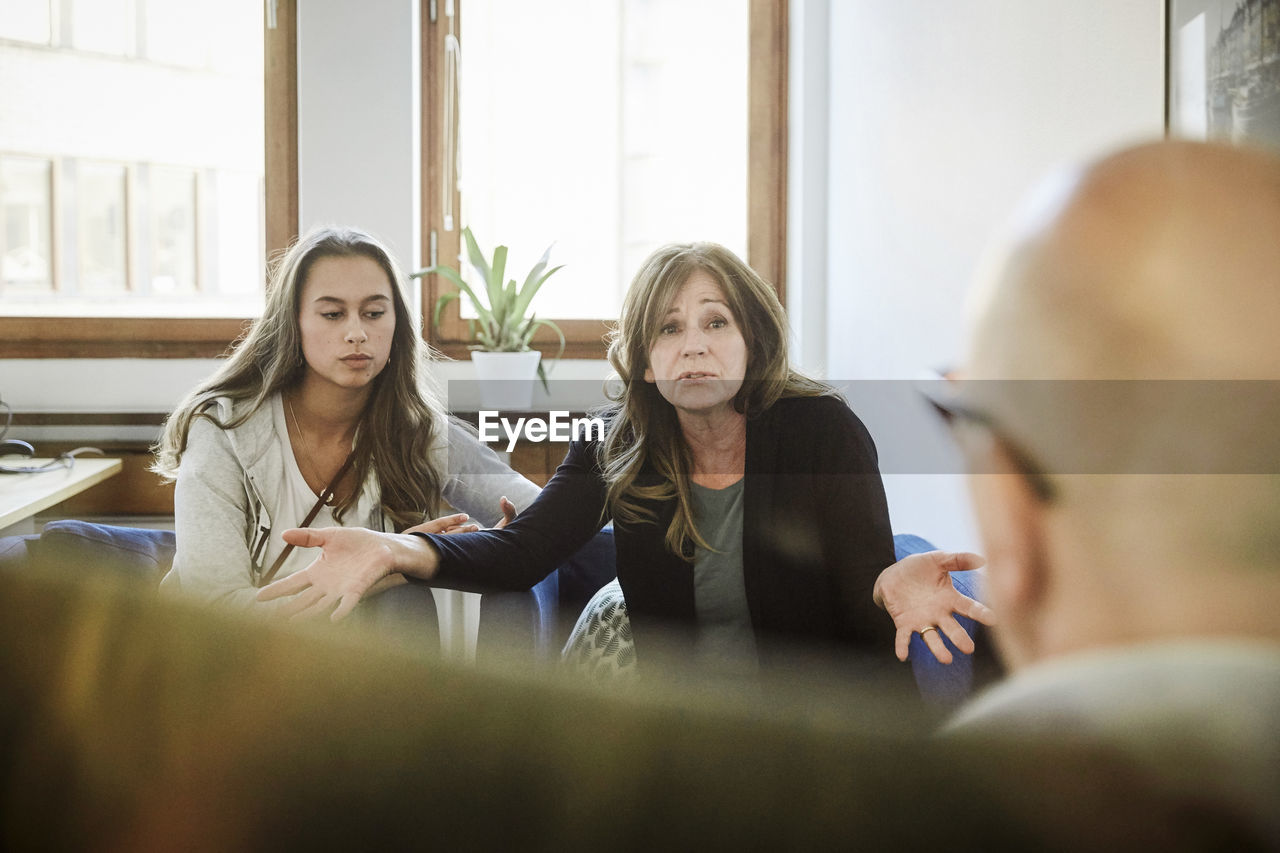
1201 714
228 480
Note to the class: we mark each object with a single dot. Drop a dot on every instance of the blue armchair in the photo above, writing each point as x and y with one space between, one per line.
137 554
539 621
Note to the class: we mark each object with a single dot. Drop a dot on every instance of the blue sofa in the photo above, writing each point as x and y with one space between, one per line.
137 554
537 621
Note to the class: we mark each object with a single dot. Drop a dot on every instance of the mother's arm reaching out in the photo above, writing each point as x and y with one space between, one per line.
355 560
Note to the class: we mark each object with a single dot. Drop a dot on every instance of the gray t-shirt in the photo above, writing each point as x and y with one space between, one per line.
725 638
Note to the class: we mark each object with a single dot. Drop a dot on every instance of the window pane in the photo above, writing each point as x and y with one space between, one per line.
242 244
106 26
185 117
173 231
25 191
609 127
180 32
26 20
100 224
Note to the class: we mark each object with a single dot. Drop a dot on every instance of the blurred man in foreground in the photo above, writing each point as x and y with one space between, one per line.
1130 526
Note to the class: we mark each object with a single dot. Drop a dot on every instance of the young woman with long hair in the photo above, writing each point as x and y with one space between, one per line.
322 398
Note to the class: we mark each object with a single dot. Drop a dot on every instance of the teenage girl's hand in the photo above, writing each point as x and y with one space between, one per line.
508 513
462 523
459 522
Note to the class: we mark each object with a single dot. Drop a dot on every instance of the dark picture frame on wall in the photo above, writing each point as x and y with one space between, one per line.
1222 70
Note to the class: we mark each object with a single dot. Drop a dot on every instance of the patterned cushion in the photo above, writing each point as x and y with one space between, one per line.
600 647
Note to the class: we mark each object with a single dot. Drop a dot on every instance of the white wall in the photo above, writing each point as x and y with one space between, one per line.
359 119
940 117
808 105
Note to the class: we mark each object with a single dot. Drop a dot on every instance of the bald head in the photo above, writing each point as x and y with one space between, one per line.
1159 262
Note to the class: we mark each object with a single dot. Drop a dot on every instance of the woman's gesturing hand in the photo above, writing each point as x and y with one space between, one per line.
917 592
353 562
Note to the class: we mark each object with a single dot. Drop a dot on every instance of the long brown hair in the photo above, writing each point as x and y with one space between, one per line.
399 420
645 431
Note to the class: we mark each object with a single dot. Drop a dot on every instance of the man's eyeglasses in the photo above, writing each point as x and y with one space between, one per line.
954 409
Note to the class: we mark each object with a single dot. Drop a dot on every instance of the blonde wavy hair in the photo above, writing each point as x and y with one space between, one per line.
644 431
399 419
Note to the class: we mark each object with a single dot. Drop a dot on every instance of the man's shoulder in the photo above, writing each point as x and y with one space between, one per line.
1114 688
1201 718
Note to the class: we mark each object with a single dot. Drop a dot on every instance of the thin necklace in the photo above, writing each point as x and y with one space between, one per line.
306 448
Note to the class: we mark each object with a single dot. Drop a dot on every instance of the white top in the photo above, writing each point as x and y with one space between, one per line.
296 499
239 489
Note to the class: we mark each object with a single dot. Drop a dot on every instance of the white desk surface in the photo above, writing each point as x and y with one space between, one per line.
23 495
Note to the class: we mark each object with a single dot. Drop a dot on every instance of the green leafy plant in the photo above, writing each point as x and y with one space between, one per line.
501 324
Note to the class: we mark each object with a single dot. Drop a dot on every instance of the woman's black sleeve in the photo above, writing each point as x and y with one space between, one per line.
858 538
568 512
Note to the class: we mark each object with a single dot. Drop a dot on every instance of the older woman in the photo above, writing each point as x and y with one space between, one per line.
747 505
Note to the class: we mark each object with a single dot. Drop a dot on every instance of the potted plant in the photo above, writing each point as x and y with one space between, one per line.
504 324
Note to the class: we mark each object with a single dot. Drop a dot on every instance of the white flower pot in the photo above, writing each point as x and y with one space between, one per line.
506 378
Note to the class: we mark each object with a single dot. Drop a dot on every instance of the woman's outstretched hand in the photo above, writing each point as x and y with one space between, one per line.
917 593
355 563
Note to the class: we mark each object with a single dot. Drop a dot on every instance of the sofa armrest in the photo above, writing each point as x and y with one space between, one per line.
133 552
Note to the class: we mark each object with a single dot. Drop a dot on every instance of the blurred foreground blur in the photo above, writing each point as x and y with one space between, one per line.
130 722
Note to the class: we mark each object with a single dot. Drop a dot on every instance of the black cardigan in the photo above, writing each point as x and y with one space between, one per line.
815 529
